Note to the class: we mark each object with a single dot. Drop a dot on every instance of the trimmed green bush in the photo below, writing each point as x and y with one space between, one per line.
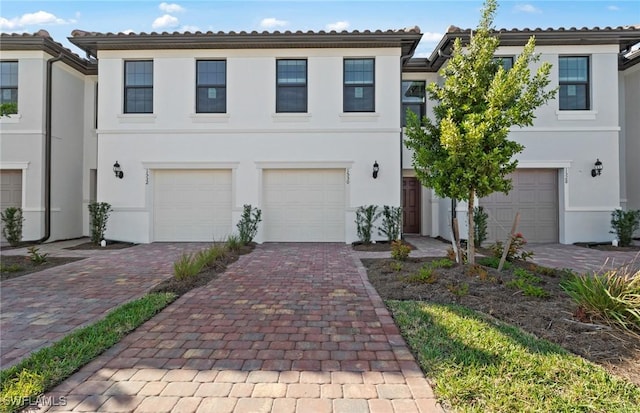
365 217
624 224
12 219
248 224
98 214
391 221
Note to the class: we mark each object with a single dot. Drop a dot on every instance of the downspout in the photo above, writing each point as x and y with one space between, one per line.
403 58
48 149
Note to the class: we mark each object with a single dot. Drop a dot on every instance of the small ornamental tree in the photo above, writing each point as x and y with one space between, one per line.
465 153
98 216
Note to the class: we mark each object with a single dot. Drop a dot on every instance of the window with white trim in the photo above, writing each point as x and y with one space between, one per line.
291 85
138 86
359 85
574 82
211 86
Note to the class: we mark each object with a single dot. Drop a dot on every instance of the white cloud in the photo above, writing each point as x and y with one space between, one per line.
188 28
431 37
31 19
613 8
166 21
128 31
338 26
527 8
171 8
272 22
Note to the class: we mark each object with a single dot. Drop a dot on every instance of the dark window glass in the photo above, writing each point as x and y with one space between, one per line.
359 85
291 85
413 98
138 86
574 82
211 86
9 82
505 61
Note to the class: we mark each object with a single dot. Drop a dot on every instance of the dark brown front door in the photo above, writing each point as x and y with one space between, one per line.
410 205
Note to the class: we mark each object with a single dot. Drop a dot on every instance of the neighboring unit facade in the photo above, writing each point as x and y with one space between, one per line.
594 118
64 125
201 124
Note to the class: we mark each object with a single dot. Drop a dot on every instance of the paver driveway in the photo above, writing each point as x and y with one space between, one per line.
40 308
289 327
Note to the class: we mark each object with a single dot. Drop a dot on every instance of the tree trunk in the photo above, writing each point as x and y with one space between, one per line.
471 250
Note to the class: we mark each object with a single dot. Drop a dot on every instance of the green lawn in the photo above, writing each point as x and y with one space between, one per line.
481 365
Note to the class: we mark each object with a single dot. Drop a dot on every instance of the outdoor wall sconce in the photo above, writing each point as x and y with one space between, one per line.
597 170
376 168
117 170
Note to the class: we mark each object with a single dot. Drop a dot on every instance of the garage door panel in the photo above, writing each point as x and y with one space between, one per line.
304 205
535 196
192 205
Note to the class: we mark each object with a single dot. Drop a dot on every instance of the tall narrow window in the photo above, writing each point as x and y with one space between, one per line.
291 85
138 86
9 86
211 86
574 82
413 98
359 85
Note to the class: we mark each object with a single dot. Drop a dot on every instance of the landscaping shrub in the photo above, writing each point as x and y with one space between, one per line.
516 249
613 296
208 257
12 219
400 251
391 221
480 226
98 214
365 217
624 224
187 266
35 257
248 224
233 243
494 262
527 283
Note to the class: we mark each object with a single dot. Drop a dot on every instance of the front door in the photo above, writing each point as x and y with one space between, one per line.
410 205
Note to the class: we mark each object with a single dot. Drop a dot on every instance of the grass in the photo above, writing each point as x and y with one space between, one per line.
49 366
481 365
613 296
10 268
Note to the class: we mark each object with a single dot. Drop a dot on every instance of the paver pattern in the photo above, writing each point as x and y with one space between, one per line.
40 308
582 259
288 328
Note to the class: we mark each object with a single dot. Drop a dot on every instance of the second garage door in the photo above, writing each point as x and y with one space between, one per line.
192 205
304 205
535 196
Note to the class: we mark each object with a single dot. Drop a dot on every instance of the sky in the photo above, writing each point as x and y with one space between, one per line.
61 17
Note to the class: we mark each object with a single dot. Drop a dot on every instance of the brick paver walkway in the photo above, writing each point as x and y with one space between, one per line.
582 259
288 328
40 308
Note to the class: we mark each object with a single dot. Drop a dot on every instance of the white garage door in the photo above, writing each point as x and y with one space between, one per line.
535 196
10 190
192 205
304 205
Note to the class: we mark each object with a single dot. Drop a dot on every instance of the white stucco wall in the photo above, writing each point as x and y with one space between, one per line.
22 144
630 80
250 134
569 141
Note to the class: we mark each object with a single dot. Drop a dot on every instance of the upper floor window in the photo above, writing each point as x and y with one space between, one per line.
574 82
291 85
211 86
9 86
359 85
138 86
505 61
413 98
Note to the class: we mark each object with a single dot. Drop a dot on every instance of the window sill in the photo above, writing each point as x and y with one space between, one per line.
359 117
576 114
210 117
13 118
291 117
137 118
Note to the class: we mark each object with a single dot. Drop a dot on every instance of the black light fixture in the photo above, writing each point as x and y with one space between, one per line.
597 170
376 168
117 170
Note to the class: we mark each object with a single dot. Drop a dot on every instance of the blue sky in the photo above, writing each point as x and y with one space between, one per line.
60 17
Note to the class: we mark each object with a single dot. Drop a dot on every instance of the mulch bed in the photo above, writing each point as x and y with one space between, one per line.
377 246
111 245
179 287
27 267
554 318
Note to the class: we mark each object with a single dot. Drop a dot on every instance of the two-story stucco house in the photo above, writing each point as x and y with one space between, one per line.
195 125
47 149
594 119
